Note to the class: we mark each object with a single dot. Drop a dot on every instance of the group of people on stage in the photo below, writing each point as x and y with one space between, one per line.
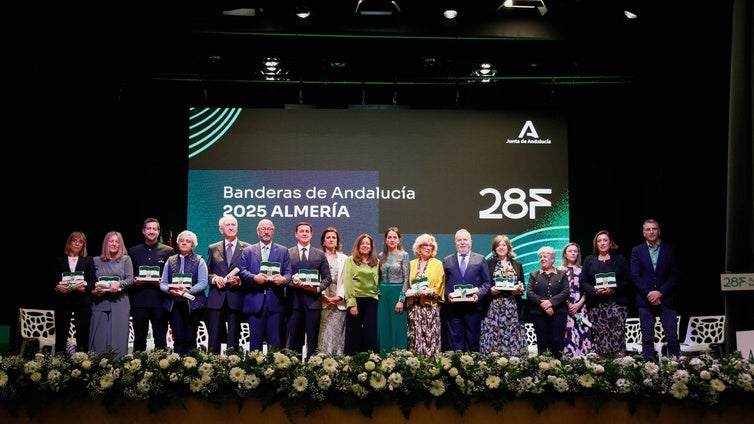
319 299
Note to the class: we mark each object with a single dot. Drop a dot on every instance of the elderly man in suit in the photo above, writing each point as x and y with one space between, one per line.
265 270
462 315
226 293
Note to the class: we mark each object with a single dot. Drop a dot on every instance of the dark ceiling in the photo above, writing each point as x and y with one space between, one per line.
192 47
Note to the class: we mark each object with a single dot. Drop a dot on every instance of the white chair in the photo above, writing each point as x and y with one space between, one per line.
704 333
243 341
202 336
39 325
531 339
659 340
633 335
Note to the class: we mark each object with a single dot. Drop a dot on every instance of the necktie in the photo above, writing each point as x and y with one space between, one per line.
229 253
182 258
463 265
303 255
265 253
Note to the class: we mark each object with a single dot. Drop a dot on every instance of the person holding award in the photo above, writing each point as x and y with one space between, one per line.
226 294
423 296
184 280
310 275
467 283
503 328
265 269
111 310
606 279
145 296
76 278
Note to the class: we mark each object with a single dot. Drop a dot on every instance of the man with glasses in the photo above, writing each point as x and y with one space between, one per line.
265 271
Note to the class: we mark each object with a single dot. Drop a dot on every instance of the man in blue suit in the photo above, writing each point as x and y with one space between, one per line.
264 300
463 315
304 302
226 295
654 271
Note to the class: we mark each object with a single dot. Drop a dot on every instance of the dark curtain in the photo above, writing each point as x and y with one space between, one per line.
739 240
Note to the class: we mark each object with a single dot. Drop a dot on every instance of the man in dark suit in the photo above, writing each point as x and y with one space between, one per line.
145 295
226 294
303 302
462 316
655 271
265 296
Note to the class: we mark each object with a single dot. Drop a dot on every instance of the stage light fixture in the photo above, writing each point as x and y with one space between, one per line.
450 13
524 4
377 7
630 15
303 12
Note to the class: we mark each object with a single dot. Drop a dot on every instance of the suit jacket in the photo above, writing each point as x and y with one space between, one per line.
477 274
297 298
76 298
259 295
217 266
664 278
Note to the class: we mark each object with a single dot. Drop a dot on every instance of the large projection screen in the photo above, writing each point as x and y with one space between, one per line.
363 170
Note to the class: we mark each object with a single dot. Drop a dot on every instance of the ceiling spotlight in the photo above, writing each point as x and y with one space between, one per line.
303 12
630 15
524 4
450 14
377 7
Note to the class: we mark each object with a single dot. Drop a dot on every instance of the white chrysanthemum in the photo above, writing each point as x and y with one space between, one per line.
377 381
647 382
86 364
696 362
446 362
502 361
300 383
388 365
133 365
705 375
330 365
195 385
268 373
251 381
436 388
106 381
234 359
76 373
717 385
237 374
281 361
103 362
560 384
362 376
651 368
515 361
623 385
395 379
453 372
526 383
375 357
189 362
681 376
54 375
492 382
467 359
31 367
544 365
413 363
206 369
79 357
679 390
174 377
598 369
369 366
586 380
324 382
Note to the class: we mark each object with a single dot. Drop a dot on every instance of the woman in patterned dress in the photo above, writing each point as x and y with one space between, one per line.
608 306
503 328
423 306
578 338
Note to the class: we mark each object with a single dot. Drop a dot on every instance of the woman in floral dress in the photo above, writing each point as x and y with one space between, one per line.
578 338
503 328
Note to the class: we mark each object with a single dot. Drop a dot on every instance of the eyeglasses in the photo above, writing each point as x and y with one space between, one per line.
77 241
427 245
265 229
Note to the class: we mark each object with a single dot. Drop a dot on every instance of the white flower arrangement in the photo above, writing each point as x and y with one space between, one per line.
367 380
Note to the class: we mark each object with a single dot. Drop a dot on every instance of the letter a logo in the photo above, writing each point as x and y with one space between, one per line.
528 130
